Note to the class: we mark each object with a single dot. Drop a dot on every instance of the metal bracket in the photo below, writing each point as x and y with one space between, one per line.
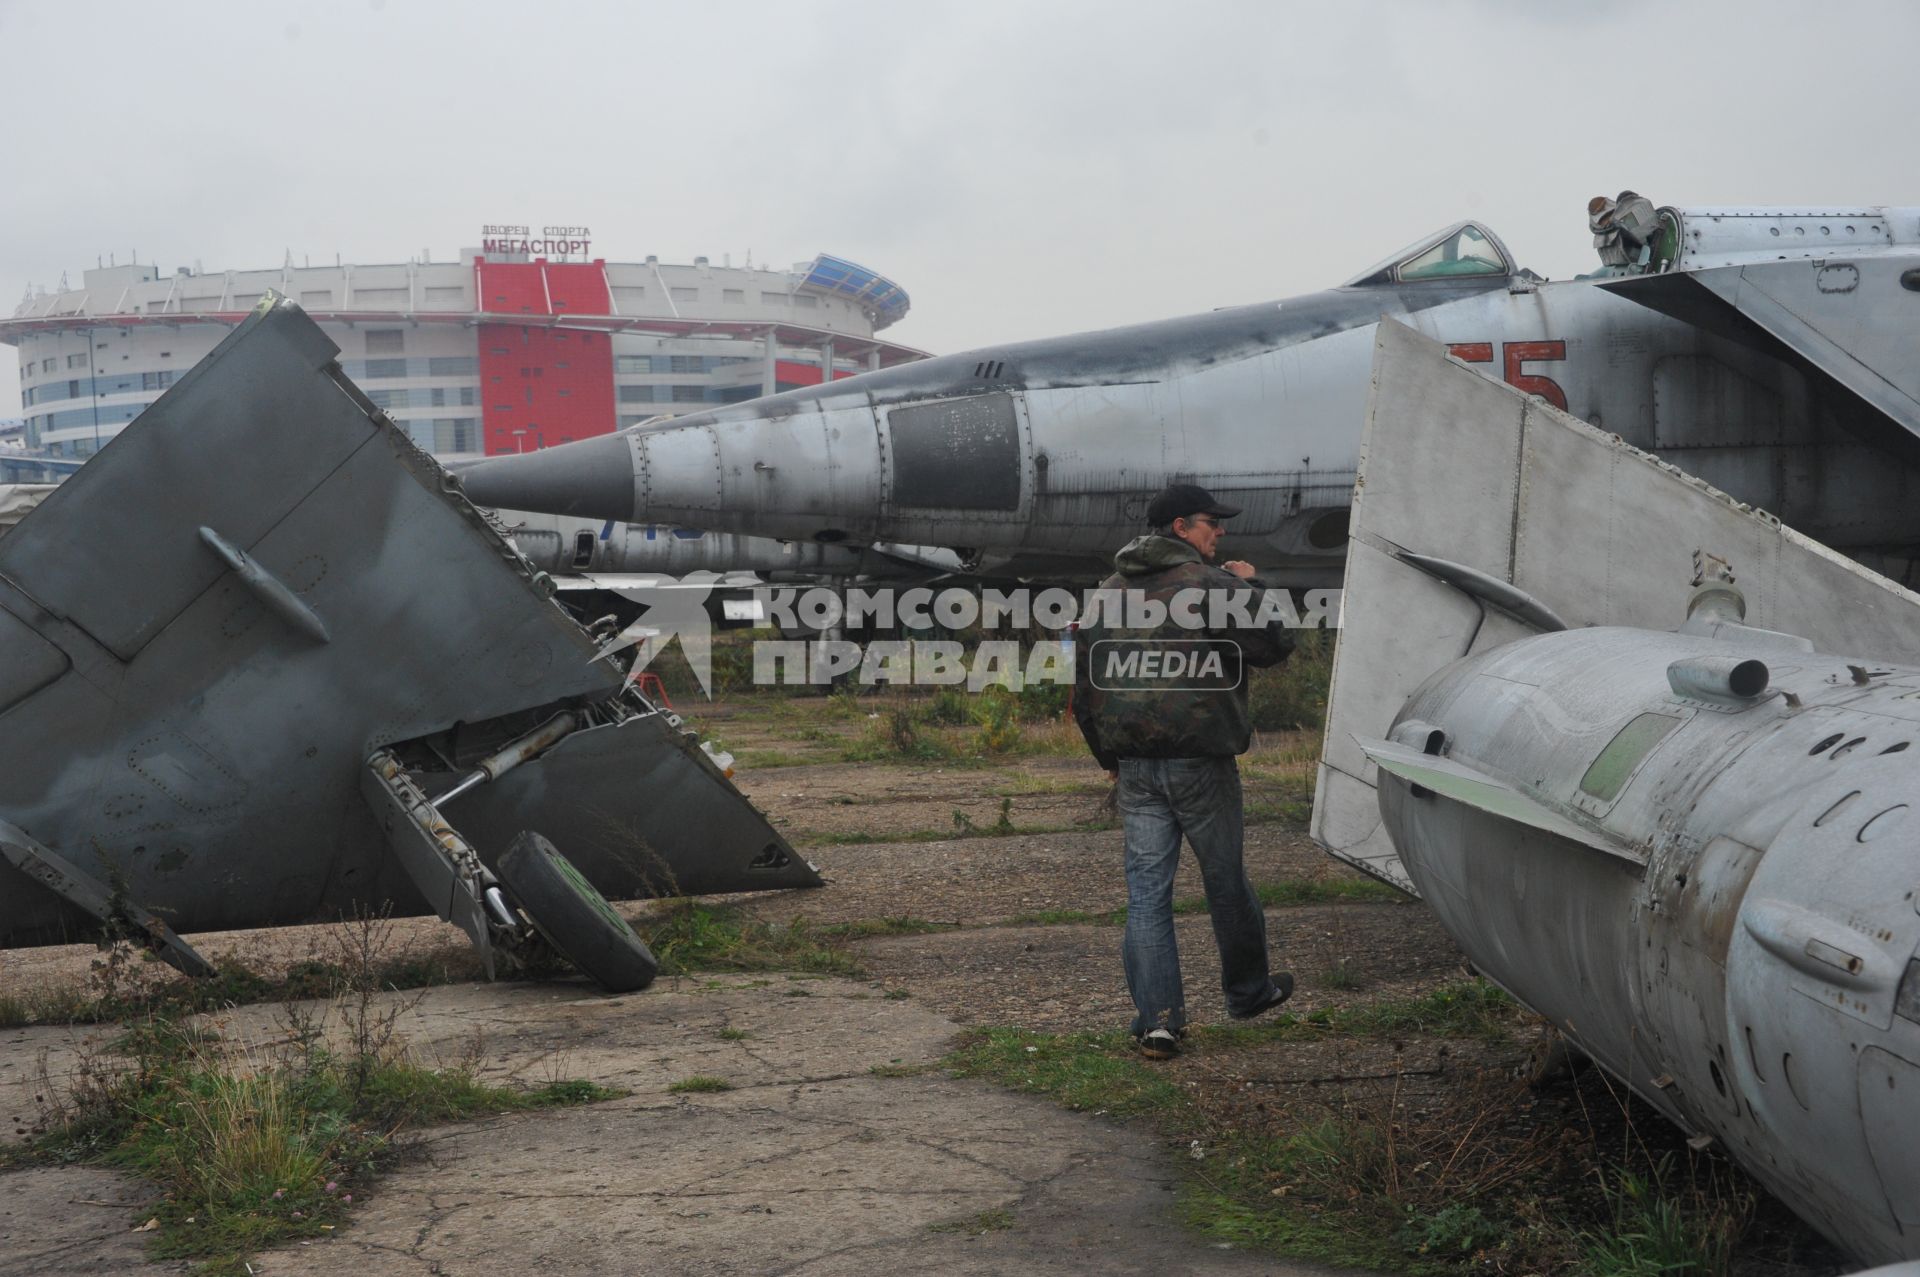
441 863
73 884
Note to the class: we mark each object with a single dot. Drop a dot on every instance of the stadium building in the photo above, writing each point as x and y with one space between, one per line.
503 351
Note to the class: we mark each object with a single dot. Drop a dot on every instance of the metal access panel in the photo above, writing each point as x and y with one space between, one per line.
646 813
1463 468
232 446
957 454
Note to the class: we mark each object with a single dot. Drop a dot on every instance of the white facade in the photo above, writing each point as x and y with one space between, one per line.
683 337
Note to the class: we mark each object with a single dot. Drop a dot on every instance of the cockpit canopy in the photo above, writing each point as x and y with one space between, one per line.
1463 250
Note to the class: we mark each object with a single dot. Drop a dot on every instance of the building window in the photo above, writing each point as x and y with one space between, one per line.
564 394
76 361
633 363
773 299
453 434
73 389
686 363
384 341
734 296
501 351
466 396
48 365
156 380
636 394
386 367
385 400
685 294
689 394
438 397
451 366
805 301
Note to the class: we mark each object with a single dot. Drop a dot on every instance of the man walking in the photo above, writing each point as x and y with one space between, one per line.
1160 694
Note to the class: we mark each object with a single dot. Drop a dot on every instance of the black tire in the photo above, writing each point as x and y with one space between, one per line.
574 917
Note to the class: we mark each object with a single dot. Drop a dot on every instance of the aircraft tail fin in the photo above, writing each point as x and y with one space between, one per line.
1482 515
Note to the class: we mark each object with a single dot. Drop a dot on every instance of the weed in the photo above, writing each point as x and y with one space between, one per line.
1293 695
1458 1228
998 714
1659 1229
901 925
1340 974
251 1149
733 1035
1080 1070
687 936
699 1084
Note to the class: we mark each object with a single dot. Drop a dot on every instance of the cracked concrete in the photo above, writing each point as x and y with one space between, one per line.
811 1164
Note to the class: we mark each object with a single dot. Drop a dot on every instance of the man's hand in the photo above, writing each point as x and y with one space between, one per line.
1239 567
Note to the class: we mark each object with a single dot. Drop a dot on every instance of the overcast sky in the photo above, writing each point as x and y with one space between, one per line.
1021 169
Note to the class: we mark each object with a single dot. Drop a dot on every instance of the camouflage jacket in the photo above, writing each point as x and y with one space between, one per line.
1168 689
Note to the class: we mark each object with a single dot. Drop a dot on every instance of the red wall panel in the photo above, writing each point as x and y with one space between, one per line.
542 386
788 372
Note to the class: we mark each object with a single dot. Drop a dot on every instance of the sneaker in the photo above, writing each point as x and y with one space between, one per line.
1159 1044
1279 991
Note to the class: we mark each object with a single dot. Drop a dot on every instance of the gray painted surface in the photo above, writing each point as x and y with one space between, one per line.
1709 889
174 728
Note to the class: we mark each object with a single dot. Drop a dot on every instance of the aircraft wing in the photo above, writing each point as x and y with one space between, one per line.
1535 514
1836 317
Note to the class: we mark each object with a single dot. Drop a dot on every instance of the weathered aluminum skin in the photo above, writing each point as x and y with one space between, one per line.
563 546
173 725
1727 914
1048 451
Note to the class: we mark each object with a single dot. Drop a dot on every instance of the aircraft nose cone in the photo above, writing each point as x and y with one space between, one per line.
592 479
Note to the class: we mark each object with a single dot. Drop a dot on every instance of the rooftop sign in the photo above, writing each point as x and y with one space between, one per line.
552 241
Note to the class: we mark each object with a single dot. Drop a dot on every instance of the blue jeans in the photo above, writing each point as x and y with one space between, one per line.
1160 799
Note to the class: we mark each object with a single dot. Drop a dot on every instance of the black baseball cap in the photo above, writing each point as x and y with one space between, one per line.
1183 501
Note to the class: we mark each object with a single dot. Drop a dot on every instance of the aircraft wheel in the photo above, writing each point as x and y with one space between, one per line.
574 917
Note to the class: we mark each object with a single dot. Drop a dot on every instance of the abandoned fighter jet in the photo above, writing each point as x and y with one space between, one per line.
1654 761
1766 353
606 551
261 663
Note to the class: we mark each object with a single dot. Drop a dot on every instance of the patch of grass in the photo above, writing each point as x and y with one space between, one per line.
987 1221
1293 695
1659 1228
253 1151
699 1084
687 936
1320 891
1464 1009
126 983
901 925
1083 1071
733 1035
1279 895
